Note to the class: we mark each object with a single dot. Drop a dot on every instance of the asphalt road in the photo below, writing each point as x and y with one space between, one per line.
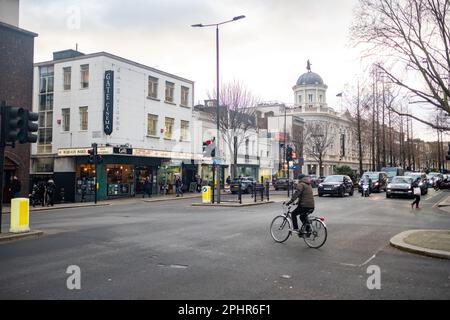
171 250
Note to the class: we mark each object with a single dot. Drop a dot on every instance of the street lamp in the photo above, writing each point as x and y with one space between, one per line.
200 25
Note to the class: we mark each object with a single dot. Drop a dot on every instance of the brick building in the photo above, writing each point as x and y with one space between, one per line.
16 88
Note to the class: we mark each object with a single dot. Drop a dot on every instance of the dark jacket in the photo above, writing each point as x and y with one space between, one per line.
15 186
304 193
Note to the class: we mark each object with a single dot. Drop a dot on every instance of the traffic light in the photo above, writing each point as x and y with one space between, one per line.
91 155
289 152
20 125
31 119
14 122
209 148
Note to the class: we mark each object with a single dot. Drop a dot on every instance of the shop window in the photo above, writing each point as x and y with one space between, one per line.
120 180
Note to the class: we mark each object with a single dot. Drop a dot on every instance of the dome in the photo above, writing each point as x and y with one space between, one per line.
309 78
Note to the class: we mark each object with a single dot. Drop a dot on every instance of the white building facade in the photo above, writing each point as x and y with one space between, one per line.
140 117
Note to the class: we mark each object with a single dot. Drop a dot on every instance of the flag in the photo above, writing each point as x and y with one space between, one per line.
339 95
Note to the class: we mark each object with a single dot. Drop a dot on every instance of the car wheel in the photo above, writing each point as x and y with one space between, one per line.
320 194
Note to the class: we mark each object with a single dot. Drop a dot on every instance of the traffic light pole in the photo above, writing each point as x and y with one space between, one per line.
94 148
2 155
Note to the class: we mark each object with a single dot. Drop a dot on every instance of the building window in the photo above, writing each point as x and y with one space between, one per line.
310 97
184 130
45 109
152 124
300 99
247 143
168 131
153 87
169 91
67 78
65 119
84 76
83 118
184 96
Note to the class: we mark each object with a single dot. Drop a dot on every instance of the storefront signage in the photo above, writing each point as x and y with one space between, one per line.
109 102
83 151
123 150
162 154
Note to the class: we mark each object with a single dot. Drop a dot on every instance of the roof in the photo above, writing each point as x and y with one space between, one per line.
16 29
309 78
112 56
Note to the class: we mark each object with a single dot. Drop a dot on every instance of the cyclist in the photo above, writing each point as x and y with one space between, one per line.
305 204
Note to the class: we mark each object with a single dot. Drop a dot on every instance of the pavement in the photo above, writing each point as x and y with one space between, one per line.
432 243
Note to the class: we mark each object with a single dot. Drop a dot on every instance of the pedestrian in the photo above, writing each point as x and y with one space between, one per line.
417 193
51 190
83 190
178 186
147 188
228 180
15 187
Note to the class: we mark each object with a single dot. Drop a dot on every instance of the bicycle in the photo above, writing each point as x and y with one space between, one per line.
281 230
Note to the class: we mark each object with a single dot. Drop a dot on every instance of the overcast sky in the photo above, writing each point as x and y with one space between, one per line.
267 50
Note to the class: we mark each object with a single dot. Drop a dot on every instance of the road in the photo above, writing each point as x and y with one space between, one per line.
171 250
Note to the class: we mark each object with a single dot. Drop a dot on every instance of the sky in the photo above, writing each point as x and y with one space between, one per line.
267 51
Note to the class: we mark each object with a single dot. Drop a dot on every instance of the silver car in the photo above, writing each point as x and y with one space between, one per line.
400 186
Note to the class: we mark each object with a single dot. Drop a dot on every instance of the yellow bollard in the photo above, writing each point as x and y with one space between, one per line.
206 194
20 213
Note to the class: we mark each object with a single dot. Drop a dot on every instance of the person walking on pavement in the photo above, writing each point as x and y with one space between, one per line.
178 186
15 187
51 190
417 193
147 188
305 205
83 190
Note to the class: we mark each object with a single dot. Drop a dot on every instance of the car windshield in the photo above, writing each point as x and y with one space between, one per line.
402 180
373 176
333 179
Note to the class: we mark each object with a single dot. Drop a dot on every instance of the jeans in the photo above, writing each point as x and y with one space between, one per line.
416 201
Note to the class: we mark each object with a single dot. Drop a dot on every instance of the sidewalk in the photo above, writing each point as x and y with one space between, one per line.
444 204
137 199
432 243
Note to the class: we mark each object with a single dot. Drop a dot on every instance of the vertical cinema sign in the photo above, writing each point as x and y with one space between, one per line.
109 102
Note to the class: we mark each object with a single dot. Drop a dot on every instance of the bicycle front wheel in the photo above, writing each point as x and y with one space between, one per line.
318 234
280 229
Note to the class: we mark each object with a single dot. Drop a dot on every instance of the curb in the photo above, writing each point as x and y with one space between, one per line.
169 199
62 207
9 237
236 205
397 242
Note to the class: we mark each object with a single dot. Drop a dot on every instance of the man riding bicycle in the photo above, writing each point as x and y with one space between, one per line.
305 204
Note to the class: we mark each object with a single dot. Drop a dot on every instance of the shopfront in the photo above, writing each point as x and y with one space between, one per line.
123 173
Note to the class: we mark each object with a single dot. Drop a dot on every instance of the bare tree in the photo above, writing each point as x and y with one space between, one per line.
411 37
318 137
237 117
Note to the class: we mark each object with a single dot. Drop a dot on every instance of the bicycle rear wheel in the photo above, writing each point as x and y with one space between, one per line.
318 234
280 229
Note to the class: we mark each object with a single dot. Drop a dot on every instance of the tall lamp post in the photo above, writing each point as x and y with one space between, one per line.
217 156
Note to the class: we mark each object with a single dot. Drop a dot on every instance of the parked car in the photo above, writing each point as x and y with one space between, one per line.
281 184
336 184
400 186
433 178
246 185
379 181
423 183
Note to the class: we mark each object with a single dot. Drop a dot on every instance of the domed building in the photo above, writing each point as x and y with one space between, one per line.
335 144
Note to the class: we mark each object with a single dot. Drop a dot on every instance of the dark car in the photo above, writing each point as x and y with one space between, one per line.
281 184
434 178
379 181
336 184
400 186
423 181
246 185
